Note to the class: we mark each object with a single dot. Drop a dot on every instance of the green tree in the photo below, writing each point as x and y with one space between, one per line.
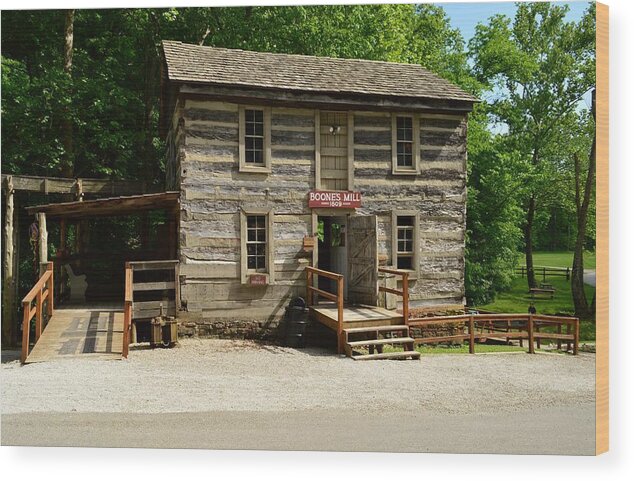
539 67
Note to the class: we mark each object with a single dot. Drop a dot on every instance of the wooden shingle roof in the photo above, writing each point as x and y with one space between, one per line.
230 67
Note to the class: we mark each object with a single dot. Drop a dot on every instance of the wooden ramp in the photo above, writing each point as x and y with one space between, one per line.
81 332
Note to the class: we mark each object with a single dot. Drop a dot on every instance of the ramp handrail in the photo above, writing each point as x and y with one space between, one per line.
403 292
43 290
337 298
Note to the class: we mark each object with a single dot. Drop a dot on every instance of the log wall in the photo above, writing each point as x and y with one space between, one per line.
206 166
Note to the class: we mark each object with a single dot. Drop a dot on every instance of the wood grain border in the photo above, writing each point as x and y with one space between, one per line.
602 216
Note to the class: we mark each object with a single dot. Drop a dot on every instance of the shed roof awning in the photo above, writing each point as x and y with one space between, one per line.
109 207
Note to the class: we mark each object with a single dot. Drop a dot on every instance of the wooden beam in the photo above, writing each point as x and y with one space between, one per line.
58 185
114 206
43 240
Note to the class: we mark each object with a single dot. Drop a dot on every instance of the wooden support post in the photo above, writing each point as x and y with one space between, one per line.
406 298
471 335
43 241
340 340
568 331
26 330
531 336
8 280
539 340
575 347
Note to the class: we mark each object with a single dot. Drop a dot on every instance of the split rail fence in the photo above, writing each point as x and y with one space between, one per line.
503 326
546 272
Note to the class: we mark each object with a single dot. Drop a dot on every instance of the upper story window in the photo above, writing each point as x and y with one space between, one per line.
405 144
255 139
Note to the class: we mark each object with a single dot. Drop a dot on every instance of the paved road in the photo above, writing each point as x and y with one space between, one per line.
548 430
590 277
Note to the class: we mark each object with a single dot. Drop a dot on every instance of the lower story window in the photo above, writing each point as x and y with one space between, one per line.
256 243
405 225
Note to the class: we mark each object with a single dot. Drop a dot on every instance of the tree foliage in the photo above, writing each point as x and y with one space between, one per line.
537 68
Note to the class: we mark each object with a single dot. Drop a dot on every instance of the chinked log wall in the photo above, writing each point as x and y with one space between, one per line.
213 191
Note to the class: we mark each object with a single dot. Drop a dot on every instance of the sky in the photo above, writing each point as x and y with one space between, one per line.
465 16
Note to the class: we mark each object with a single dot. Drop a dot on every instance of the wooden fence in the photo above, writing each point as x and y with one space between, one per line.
313 293
545 272
42 291
153 302
503 326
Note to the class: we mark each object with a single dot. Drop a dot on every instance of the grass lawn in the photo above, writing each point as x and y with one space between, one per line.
559 259
518 300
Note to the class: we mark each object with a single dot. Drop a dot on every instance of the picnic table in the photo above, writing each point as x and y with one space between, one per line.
535 291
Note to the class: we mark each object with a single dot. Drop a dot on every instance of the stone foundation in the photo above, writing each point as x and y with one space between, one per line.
437 330
191 325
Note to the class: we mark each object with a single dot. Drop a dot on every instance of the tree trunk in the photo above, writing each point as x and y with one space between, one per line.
528 242
68 163
582 310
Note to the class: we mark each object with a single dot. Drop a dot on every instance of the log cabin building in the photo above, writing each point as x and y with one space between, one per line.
285 162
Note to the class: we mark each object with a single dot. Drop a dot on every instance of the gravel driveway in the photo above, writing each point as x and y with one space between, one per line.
266 384
217 375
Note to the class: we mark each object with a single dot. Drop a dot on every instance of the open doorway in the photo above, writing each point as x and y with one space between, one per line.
332 250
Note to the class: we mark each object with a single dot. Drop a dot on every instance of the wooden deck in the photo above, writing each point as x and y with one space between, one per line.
81 332
355 316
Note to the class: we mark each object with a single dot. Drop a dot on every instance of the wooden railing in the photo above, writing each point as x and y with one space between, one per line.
403 292
504 326
43 290
148 308
313 293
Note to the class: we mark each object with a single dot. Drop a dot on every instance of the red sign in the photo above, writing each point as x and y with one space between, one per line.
337 199
257 279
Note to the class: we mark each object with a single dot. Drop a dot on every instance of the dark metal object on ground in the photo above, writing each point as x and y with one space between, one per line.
296 323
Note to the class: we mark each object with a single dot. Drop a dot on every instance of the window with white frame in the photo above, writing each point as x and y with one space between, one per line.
405 241
405 144
255 139
256 244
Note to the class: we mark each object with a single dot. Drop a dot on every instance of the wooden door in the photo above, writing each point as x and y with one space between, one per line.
363 261
333 143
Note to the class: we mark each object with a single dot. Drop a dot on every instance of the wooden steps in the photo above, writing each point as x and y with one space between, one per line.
387 355
375 338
